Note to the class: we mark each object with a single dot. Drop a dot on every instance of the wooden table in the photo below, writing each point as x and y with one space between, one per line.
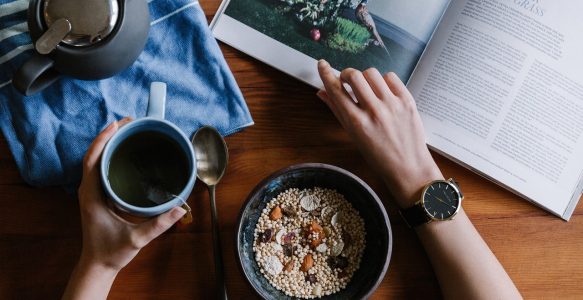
40 238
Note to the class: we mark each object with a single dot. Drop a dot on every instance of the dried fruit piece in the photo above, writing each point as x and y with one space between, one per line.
288 249
289 266
266 235
309 202
315 227
279 236
311 278
342 274
308 263
289 211
337 249
331 261
275 213
289 237
272 265
339 262
322 248
316 242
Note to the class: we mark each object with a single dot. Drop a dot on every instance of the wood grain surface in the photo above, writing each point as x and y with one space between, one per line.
40 237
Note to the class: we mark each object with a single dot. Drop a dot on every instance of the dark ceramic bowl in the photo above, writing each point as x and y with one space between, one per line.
379 239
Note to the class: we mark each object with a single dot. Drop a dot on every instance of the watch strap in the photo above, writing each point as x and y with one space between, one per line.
457 185
415 215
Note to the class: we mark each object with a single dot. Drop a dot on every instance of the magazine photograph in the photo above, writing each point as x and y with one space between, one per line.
389 35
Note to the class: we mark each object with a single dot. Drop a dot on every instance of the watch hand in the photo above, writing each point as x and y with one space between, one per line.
441 201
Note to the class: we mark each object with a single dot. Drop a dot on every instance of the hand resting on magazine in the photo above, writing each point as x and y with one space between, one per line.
386 125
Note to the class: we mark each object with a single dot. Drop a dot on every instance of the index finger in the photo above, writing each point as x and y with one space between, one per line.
334 88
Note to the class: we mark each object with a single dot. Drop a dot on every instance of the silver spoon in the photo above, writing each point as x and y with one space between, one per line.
211 162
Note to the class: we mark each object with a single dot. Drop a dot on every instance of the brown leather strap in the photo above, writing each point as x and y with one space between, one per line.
415 215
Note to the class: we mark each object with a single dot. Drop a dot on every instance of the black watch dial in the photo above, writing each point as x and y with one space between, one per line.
441 200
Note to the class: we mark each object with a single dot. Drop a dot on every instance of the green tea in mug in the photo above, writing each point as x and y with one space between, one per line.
147 169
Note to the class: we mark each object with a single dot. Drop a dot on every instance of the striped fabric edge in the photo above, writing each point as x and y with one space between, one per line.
13 7
13 30
179 10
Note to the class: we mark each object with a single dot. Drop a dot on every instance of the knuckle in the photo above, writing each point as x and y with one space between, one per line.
354 76
393 78
351 74
410 105
160 225
87 211
86 161
136 241
370 71
357 122
377 114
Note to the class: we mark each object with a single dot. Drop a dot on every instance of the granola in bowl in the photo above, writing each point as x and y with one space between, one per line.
308 243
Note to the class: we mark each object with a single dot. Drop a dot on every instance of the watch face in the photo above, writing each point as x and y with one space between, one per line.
441 200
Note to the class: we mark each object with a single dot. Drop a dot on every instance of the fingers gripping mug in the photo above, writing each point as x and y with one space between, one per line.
149 166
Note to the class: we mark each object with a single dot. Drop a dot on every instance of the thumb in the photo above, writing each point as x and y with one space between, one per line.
151 229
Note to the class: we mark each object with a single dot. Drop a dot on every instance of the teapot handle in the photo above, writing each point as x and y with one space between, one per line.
35 75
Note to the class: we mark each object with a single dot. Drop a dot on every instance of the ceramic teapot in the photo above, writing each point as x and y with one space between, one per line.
84 39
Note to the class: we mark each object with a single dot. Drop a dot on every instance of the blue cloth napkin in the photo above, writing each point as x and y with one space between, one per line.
49 133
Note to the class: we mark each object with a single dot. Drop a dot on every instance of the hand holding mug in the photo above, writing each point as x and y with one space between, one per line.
108 240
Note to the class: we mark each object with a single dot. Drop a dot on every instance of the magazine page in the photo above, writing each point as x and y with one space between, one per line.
500 88
291 35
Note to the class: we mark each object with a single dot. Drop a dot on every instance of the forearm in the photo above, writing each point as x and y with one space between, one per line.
89 281
465 266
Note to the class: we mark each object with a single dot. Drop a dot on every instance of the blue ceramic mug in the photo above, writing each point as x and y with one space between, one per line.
154 121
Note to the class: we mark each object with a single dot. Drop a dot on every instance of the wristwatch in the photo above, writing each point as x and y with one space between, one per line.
440 201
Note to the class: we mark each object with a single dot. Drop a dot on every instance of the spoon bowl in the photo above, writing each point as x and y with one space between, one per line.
212 155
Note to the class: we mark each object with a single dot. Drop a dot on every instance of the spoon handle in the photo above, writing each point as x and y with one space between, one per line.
217 249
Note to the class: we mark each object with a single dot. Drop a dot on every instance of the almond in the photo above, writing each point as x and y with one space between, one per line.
315 227
315 243
289 266
275 213
307 264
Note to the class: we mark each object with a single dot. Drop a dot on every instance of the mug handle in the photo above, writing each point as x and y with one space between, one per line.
157 101
35 75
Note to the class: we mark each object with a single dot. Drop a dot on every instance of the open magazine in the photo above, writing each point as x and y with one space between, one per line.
498 83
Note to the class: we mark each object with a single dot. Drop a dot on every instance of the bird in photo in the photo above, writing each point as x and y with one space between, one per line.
364 17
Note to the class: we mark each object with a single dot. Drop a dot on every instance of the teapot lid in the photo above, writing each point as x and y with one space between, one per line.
91 20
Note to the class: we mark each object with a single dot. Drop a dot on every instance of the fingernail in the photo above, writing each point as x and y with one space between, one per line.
323 63
179 211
